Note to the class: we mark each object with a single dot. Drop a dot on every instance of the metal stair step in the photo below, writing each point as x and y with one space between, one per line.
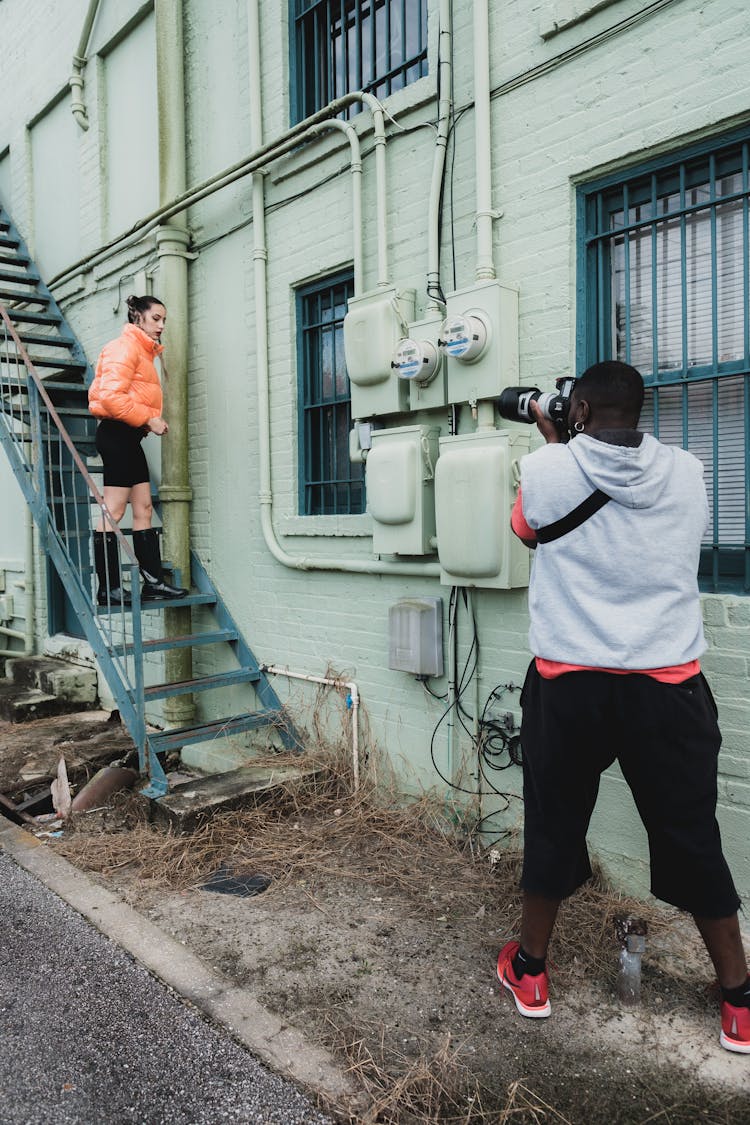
29 316
217 728
8 259
47 341
6 240
51 361
24 278
189 640
202 683
27 298
166 603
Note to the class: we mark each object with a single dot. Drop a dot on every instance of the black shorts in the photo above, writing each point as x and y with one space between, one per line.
666 739
122 454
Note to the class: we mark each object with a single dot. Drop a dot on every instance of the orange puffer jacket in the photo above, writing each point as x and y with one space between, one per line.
126 386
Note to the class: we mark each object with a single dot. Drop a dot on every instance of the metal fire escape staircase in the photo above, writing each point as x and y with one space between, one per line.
48 435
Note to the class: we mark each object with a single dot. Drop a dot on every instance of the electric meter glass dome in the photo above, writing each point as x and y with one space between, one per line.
464 337
416 360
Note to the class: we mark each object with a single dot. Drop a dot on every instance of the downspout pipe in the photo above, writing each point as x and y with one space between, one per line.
76 82
445 107
260 260
485 267
172 241
29 585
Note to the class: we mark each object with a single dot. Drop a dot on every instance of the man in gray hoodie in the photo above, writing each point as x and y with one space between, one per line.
616 631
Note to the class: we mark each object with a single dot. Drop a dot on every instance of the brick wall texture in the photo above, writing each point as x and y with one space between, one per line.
566 108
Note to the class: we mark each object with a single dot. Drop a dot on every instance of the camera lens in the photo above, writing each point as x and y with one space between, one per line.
514 403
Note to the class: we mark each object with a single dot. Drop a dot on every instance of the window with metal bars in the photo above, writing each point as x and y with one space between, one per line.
338 46
665 285
329 483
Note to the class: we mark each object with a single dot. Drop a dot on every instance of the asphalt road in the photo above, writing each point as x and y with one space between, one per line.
89 1037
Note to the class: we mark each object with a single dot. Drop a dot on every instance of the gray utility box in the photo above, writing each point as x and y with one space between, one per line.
416 636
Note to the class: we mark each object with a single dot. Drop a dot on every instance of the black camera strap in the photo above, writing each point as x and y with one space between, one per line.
573 519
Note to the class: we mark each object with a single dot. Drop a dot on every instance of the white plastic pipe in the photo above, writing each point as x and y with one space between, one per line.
258 159
445 105
351 687
260 259
485 268
356 171
76 82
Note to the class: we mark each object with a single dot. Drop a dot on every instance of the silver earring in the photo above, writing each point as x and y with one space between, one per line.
578 427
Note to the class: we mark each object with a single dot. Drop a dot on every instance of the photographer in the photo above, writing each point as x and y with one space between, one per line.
616 631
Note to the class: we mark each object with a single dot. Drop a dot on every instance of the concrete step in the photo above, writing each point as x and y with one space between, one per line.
186 806
23 704
73 685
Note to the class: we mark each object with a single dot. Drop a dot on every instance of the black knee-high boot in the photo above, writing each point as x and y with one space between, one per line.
107 565
146 547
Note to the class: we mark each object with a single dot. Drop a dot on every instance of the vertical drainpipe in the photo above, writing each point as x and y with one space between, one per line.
172 241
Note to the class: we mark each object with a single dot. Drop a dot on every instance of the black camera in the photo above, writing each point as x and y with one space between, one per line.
515 402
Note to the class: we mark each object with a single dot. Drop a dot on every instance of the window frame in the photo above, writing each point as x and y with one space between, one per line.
356 476
723 566
298 54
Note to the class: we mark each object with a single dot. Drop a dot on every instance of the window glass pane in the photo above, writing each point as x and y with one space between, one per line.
668 273
329 482
347 45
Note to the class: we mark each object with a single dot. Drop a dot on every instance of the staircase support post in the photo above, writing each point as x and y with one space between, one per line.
172 241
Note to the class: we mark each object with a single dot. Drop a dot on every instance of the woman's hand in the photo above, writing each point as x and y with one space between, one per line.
157 426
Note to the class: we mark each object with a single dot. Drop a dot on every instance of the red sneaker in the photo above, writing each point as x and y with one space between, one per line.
735 1028
531 994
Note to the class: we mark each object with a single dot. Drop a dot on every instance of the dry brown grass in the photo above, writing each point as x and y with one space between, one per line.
317 829
436 1088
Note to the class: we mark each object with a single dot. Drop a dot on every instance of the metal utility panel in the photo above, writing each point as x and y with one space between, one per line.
415 640
475 489
399 473
433 394
373 327
496 306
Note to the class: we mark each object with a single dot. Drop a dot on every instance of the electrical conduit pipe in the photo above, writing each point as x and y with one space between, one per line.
445 105
260 258
485 268
356 171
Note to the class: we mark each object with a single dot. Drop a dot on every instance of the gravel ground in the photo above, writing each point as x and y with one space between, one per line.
88 1036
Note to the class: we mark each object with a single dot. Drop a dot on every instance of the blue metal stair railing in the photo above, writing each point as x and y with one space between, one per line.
46 430
61 494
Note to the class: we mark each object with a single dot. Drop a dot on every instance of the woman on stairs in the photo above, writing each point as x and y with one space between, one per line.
126 396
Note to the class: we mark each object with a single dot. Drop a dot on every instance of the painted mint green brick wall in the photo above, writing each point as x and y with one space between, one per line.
606 107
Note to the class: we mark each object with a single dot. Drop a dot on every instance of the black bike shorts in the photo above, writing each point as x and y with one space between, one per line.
122 453
666 739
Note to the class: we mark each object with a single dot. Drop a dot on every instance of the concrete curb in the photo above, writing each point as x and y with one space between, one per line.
280 1046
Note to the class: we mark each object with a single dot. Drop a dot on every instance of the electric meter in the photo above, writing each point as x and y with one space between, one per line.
417 360
464 337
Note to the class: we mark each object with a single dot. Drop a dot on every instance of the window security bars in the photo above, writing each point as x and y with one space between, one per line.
667 278
340 46
329 483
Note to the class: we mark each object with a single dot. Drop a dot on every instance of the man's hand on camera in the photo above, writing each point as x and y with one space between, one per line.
546 427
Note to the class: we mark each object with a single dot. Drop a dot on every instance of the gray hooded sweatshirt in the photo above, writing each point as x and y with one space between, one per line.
621 590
